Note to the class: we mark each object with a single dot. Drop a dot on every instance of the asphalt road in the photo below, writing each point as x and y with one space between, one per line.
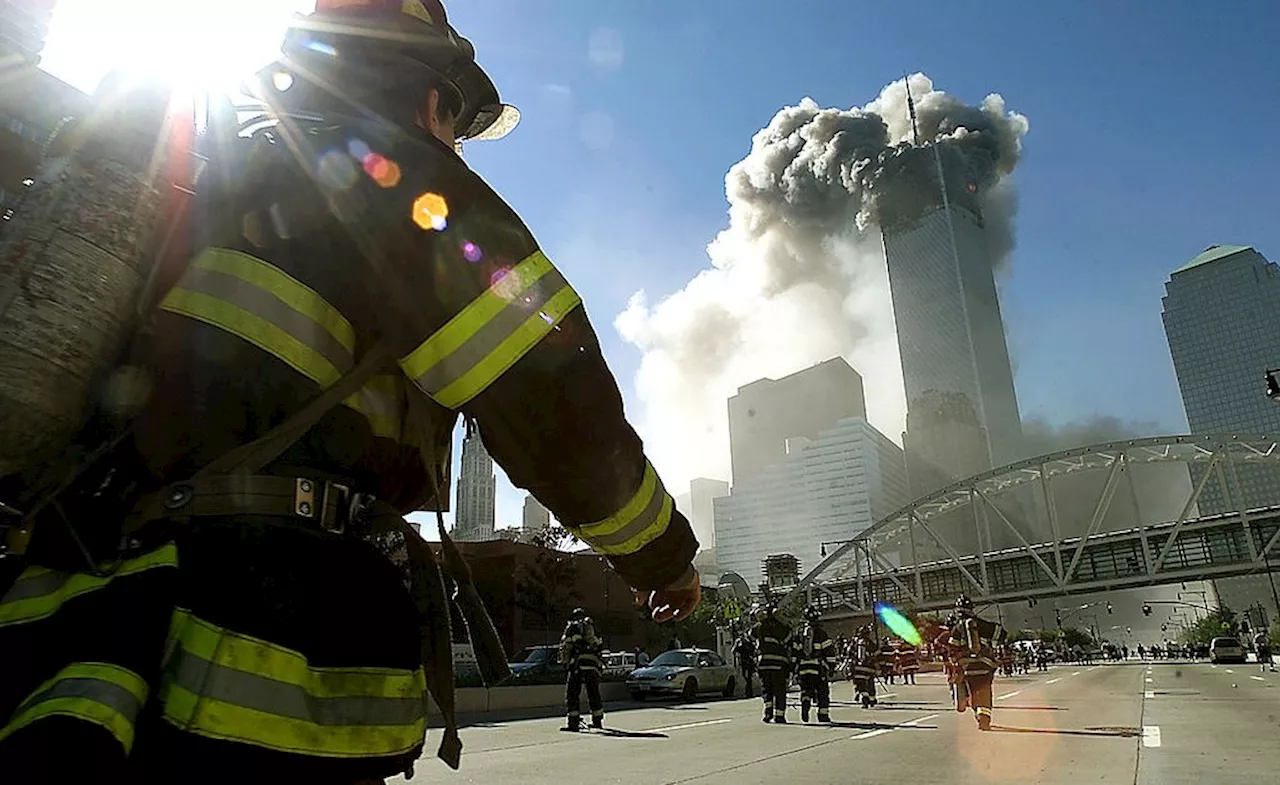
1159 724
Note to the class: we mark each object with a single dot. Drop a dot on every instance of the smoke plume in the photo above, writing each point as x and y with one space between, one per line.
799 275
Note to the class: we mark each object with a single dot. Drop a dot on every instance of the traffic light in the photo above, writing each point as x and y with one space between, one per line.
1146 609
1108 607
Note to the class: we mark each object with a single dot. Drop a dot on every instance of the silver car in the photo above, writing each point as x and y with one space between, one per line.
684 672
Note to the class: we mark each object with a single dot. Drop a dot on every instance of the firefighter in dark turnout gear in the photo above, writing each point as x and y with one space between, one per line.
864 657
813 652
580 650
973 643
910 662
774 662
744 654
350 229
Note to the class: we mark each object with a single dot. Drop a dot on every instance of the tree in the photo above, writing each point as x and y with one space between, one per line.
555 538
1073 637
547 588
1220 621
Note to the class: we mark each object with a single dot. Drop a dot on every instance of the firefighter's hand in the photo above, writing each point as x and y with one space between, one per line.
676 601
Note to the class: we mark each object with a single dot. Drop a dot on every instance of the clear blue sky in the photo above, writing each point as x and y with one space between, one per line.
1152 136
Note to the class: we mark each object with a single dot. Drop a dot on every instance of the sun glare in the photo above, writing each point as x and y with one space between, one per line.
197 45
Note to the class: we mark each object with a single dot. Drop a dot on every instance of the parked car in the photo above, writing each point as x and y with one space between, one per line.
684 672
1226 650
619 663
536 661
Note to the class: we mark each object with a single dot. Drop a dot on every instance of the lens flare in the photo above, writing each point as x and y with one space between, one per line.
430 211
898 624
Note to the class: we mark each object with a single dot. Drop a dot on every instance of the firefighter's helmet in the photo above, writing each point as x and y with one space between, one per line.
360 49
964 605
811 613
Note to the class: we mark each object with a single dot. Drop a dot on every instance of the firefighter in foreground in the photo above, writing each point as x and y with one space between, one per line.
771 635
813 652
973 643
246 630
580 650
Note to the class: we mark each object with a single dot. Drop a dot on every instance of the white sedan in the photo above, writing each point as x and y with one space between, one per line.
684 672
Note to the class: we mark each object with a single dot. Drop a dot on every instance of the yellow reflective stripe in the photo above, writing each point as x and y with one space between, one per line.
640 521
289 290
285 318
107 695
52 588
509 352
256 330
492 333
381 401
225 685
458 330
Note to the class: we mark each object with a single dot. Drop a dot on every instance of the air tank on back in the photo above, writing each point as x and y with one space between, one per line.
73 262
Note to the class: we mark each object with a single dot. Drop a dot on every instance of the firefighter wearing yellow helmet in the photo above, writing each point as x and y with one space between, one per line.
250 624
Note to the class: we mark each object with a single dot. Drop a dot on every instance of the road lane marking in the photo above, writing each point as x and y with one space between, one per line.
918 720
1215 667
1150 680
1257 678
1148 694
1228 670
1009 695
1054 681
690 725
1151 735
1077 673
881 731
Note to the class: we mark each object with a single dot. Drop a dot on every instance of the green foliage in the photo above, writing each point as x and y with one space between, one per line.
1075 637
1219 622
547 588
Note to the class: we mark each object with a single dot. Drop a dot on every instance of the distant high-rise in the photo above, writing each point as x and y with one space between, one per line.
535 518
473 521
1222 320
24 24
700 508
767 412
947 312
824 489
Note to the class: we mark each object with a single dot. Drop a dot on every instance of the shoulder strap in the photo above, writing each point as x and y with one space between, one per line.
249 458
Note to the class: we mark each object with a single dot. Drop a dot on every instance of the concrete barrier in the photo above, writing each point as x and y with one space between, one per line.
478 700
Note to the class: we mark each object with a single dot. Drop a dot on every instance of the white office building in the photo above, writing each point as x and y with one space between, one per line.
825 489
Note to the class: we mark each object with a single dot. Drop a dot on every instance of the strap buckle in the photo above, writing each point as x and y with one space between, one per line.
335 509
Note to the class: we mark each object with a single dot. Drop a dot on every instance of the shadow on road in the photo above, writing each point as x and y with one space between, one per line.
620 733
1100 732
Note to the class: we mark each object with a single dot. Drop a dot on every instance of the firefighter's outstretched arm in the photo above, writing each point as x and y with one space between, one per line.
516 352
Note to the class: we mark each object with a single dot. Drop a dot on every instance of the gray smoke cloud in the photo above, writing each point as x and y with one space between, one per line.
1040 437
799 274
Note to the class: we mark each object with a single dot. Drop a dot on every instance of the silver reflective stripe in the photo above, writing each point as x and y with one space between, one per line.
647 517
97 690
484 341
269 696
270 308
35 586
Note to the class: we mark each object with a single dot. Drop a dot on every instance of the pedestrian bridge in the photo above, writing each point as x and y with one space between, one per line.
1108 494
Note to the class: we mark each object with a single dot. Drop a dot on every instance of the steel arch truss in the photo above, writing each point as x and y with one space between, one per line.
932 570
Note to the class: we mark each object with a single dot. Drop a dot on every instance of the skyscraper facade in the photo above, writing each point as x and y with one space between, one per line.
24 24
766 412
1222 320
474 519
947 312
534 519
824 489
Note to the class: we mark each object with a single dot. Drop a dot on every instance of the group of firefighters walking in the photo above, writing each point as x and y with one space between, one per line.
969 647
